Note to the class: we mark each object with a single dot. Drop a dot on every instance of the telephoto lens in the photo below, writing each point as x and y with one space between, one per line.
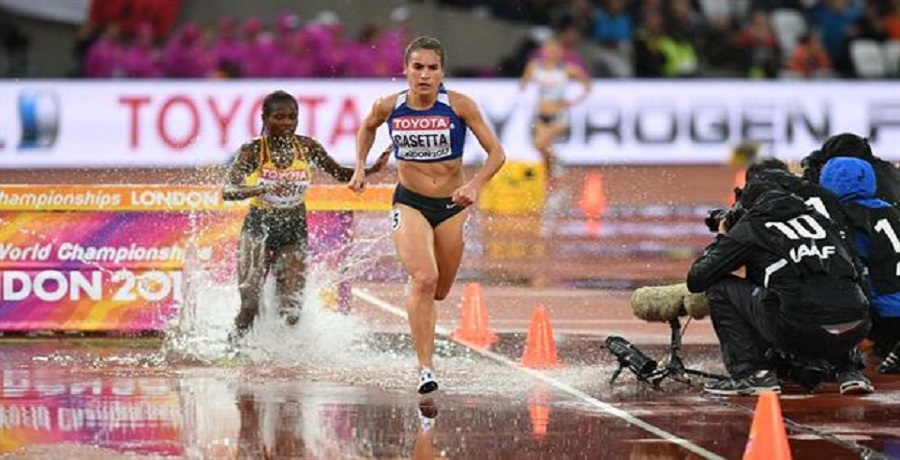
630 356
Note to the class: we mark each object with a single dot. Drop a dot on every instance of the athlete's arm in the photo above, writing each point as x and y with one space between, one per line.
578 74
365 137
319 156
526 75
469 112
245 162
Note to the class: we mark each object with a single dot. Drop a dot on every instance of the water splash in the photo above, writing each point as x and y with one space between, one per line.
199 333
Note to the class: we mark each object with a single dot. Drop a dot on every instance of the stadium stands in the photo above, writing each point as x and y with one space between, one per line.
727 37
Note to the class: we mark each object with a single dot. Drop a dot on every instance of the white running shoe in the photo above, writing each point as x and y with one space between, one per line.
427 383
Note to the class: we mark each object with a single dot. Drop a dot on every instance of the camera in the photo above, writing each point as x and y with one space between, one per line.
714 216
629 356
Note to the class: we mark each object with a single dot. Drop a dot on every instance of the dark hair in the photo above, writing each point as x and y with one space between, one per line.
847 145
752 192
277 97
840 145
426 43
765 164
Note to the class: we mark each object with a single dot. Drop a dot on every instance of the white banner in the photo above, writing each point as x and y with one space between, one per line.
191 123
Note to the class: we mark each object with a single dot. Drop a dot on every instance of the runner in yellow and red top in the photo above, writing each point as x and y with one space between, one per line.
275 171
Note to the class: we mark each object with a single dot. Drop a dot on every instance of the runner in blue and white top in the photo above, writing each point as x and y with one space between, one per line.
428 128
434 134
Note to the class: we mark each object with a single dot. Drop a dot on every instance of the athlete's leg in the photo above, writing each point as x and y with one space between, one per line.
545 134
414 241
449 246
290 277
252 269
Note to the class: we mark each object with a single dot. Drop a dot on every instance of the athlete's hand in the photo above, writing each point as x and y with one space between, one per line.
358 181
465 195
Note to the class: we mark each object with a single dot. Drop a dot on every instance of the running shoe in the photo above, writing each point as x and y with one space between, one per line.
427 383
854 383
751 385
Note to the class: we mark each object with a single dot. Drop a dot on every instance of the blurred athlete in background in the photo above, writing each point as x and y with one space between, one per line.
552 74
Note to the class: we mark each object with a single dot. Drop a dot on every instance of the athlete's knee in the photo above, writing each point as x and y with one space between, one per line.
424 281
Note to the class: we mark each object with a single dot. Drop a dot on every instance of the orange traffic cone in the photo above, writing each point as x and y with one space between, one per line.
768 438
539 412
473 326
593 202
540 349
593 196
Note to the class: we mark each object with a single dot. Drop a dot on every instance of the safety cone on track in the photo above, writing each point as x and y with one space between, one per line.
539 413
593 202
540 348
473 326
768 438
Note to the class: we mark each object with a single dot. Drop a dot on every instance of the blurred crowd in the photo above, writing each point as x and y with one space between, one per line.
148 47
716 38
609 38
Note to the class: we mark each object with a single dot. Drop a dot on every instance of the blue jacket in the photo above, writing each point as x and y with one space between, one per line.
853 181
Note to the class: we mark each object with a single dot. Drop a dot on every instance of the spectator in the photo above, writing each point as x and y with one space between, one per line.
809 59
579 13
260 49
612 24
292 63
834 20
103 59
326 44
569 37
649 60
161 14
142 59
287 37
228 50
392 41
870 26
760 47
892 21
681 56
613 30
367 59
185 55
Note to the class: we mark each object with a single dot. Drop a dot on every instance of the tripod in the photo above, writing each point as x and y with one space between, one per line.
648 370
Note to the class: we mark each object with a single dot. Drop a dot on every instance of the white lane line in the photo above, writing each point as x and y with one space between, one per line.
562 386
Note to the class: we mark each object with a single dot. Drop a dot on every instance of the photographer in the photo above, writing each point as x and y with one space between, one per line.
874 228
777 173
851 145
801 294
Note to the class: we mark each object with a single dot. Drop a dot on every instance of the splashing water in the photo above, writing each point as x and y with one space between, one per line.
199 333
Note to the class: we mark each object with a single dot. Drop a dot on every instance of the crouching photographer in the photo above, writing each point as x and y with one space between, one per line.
801 294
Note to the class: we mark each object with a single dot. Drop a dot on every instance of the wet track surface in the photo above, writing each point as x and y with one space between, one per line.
60 396
343 387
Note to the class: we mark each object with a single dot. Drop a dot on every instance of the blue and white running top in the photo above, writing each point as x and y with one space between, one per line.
436 134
